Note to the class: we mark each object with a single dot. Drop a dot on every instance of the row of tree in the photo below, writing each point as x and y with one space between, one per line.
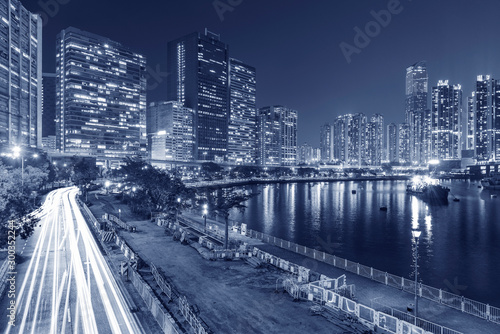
152 190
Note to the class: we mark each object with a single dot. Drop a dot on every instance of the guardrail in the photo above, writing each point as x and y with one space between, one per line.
466 305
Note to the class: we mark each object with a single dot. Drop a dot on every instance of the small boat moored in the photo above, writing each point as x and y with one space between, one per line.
428 189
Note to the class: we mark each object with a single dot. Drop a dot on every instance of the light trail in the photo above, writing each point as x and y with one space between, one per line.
67 282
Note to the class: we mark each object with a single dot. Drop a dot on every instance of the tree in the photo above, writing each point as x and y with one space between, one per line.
210 170
222 201
84 172
15 205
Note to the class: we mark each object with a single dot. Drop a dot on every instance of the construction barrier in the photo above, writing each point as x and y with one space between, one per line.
466 305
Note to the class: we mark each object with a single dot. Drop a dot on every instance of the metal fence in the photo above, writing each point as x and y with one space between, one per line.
162 282
198 326
163 318
466 305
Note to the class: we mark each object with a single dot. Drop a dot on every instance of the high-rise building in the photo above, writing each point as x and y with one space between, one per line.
242 128
170 131
356 139
101 97
392 143
470 123
198 68
375 140
339 139
277 144
20 75
326 142
416 110
404 144
487 119
305 154
446 118
48 104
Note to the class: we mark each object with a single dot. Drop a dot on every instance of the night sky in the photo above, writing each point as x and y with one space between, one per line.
295 46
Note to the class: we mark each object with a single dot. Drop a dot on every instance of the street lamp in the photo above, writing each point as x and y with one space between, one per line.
106 185
120 214
205 212
17 152
416 235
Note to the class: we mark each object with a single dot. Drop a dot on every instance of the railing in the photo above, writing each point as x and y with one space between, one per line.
426 325
162 282
327 291
466 305
198 326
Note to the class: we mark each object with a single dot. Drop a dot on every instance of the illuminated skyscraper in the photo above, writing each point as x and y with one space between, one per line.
392 143
101 97
404 144
170 128
356 139
417 114
20 75
326 142
198 78
339 139
446 117
487 119
277 144
470 123
242 136
375 140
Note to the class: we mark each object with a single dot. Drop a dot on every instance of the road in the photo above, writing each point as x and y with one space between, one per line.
65 285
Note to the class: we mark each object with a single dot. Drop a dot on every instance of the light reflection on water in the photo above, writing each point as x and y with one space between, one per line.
459 241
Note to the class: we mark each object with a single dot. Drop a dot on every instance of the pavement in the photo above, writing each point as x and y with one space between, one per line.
63 284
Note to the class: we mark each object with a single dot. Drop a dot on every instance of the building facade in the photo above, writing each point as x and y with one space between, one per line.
242 128
277 137
326 142
392 143
487 119
101 97
375 140
416 111
198 68
446 121
170 131
404 144
20 75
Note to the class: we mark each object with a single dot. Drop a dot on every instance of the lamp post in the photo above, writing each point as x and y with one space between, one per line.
120 214
205 212
106 185
177 209
416 235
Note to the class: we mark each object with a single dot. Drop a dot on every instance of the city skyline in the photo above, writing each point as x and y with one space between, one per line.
271 52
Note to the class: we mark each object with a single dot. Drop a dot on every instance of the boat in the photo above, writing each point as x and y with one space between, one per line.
492 182
428 189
